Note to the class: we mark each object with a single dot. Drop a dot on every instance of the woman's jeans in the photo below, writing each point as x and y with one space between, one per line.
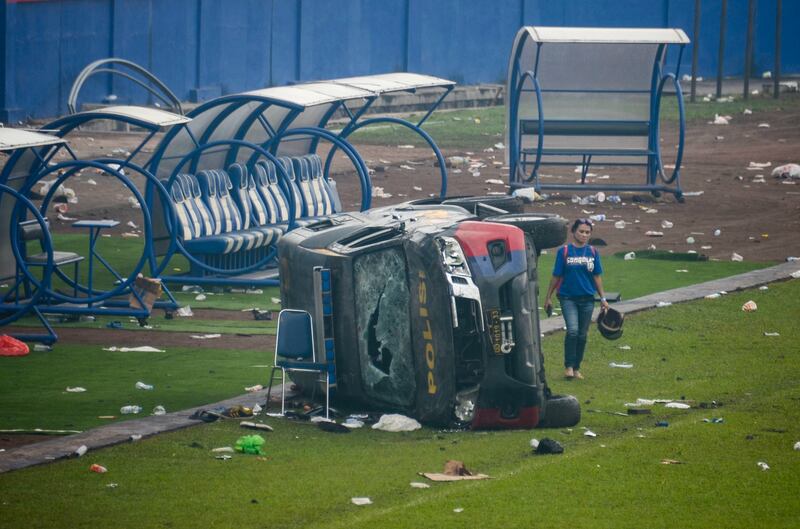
577 313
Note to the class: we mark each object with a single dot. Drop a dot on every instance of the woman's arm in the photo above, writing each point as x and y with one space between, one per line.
555 281
598 283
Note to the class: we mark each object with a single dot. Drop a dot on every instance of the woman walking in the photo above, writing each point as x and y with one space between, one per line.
577 276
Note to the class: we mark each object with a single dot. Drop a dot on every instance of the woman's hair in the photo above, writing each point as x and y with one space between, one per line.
578 222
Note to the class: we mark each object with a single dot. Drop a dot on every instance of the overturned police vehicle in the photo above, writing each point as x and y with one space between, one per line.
432 309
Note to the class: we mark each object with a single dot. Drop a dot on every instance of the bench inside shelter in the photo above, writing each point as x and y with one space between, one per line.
591 96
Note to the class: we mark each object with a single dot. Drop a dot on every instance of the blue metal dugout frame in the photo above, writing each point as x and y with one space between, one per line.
526 80
29 165
280 121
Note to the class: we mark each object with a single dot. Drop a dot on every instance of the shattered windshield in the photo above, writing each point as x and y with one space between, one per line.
384 336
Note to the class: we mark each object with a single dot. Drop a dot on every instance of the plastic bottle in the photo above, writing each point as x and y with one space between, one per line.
142 385
159 410
127 410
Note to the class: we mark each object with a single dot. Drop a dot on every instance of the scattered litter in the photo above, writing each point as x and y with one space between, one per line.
750 306
689 240
139 349
395 422
720 120
494 181
763 287
353 422
405 147
790 170
682 271
620 224
625 347
755 166
256 426
100 469
200 297
130 410
548 446
81 450
763 125
361 501
665 224
651 233
762 465
134 203
771 333
736 257
112 485
671 462
223 450
146 387
419 485
499 146
76 389
224 457
458 509
378 192
407 167
630 256
184 312
747 111
677 405
250 444
276 301
714 420
662 304
620 365
705 247
417 188
693 193
253 389
453 471
715 295
206 336
261 315
527 194
91 182
795 275
589 433
159 410
130 235
797 446
65 218
717 232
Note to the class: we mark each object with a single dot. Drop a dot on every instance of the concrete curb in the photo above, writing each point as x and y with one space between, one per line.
112 434
116 433
692 292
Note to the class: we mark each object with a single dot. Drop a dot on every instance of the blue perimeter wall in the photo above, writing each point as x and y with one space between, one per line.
205 48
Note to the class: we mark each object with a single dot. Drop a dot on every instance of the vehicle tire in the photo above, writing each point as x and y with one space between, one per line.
561 411
507 203
547 229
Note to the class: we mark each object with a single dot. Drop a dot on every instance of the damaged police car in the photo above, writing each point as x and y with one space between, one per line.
432 309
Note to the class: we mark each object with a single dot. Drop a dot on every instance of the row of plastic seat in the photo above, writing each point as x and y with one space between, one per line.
242 210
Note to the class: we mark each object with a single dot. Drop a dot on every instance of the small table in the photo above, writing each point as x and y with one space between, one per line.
94 227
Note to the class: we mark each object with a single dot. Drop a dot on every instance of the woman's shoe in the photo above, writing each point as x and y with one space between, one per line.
578 375
569 373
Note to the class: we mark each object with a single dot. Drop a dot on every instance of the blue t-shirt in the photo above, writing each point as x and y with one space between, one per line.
577 270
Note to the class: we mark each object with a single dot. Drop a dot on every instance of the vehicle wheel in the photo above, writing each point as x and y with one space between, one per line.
507 203
547 230
561 411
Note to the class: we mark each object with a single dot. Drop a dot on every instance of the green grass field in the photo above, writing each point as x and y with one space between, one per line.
479 128
706 351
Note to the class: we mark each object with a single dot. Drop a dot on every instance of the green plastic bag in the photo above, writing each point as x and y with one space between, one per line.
250 444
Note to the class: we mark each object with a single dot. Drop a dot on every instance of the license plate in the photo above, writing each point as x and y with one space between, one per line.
495 331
